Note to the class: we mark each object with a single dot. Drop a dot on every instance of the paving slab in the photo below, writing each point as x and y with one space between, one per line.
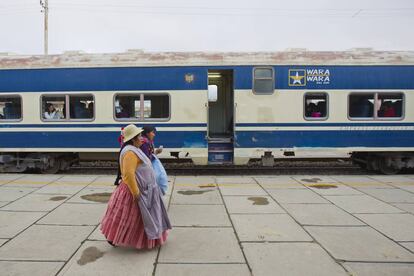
196 196
408 207
33 180
45 243
99 258
406 187
36 203
2 241
97 235
320 214
314 179
399 227
362 204
390 195
241 189
392 179
268 227
10 268
103 195
202 270
379 269
296 196
201 245
333 189
12 223
408 245
187 182
3 203
78 179
198 215
59 188
279 182
13 193
5 178
252 205
362 244
235 180
290 259
75 214
360 181
103 182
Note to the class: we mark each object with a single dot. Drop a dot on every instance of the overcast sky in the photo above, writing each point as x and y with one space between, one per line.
212 25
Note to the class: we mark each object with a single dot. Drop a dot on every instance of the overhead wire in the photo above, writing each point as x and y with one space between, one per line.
212 11
193 10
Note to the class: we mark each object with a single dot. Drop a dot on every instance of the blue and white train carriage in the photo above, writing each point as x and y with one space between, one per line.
212 108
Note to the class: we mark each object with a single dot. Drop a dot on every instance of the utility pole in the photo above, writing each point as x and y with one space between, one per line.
45 9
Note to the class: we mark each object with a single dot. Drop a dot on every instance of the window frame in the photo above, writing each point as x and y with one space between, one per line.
327 107
141 99
273 80
67 104
375 113
402 117
79 119
21 108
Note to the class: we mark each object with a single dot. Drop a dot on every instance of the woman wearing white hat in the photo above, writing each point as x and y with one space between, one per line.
136 215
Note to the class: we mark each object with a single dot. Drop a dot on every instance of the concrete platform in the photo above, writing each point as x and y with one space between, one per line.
290 259
223 225
100 258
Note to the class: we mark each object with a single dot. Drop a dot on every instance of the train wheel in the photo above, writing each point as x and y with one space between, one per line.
54 166
386 167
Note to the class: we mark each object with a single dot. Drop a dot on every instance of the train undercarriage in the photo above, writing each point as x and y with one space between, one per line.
49 163
385 162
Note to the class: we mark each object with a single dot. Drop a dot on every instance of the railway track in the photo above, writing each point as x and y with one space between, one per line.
297 167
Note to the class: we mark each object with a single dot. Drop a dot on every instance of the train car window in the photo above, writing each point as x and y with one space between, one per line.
390 105
10 108
263 80
316 106
156 106
128 107
81 106
361 106
54 107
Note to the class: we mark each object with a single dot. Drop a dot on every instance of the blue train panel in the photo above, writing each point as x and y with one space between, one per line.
88 125
196 139
195 78
96 139
325 139
103 79
333 77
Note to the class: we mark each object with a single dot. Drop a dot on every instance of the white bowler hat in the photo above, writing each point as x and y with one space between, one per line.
130 131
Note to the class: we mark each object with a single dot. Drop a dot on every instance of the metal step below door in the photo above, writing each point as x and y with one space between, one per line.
220 151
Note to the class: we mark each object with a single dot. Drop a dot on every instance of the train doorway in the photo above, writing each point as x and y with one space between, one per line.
220 117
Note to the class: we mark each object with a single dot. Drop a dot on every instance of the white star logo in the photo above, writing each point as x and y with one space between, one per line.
297 79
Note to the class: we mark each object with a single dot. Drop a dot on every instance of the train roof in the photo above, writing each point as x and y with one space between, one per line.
75 59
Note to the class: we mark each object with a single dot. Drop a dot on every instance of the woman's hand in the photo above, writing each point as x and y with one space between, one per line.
136 197
159 150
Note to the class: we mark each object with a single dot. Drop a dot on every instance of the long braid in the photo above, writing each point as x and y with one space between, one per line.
119 175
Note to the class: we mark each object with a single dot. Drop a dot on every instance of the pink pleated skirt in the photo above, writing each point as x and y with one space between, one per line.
122 224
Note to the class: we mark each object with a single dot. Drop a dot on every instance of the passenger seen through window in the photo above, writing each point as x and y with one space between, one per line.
390 105
54 107
10 108
81 107
315 105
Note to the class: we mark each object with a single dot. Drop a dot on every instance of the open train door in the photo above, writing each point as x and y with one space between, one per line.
220 127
